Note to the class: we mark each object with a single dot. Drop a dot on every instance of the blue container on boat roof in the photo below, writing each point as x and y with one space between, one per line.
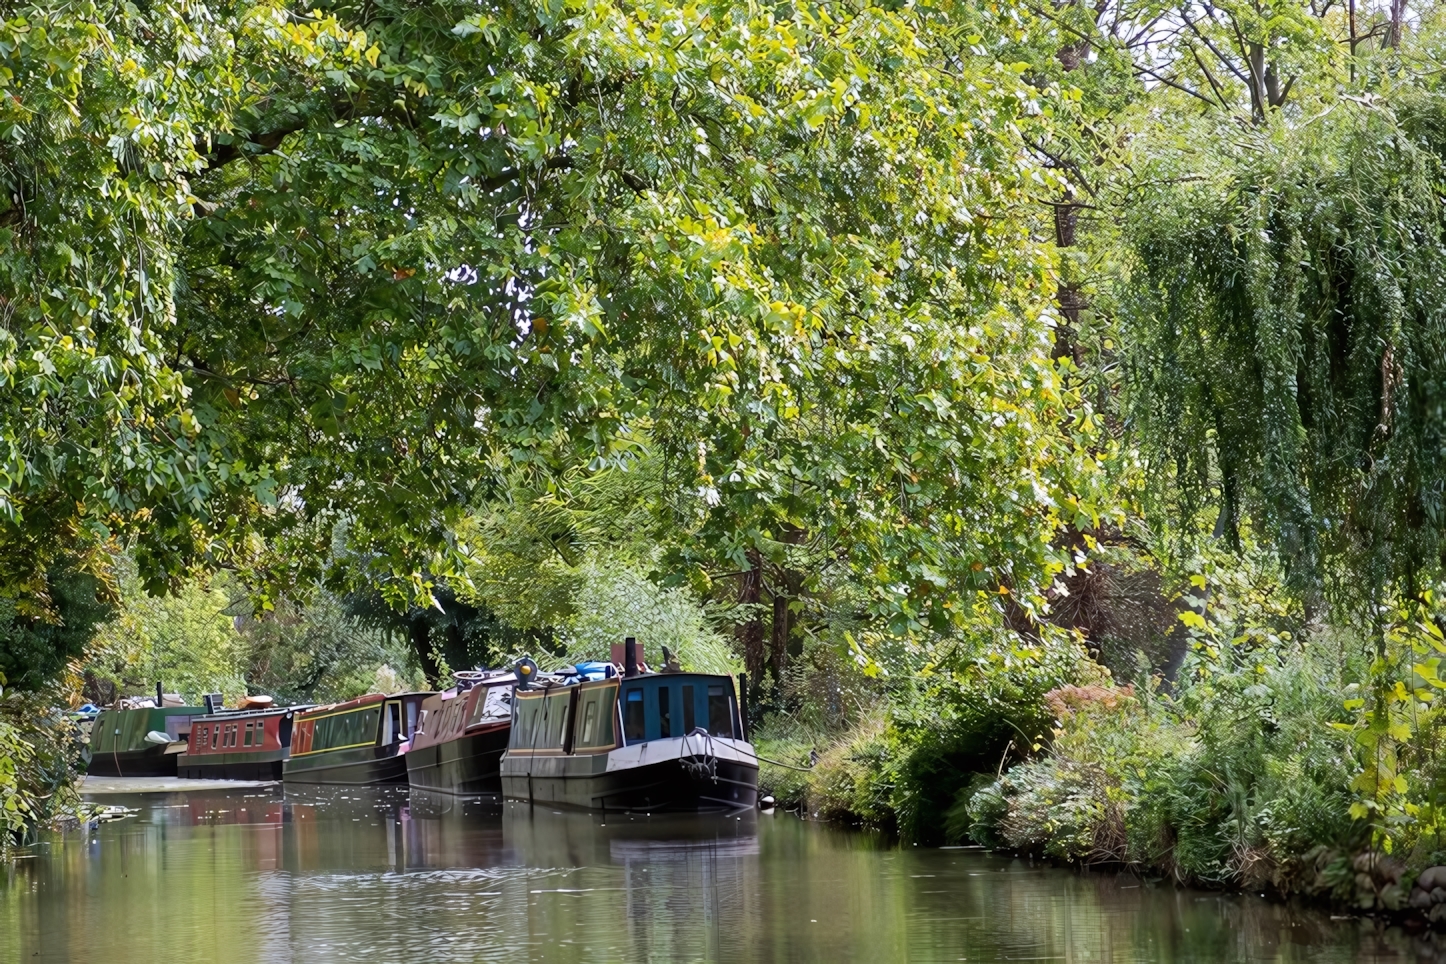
594 670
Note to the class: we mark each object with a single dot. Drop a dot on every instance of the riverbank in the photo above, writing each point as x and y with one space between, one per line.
1247 775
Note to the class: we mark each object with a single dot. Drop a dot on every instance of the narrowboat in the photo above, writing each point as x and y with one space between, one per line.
362 742
238 745
462 734
637 742
141 742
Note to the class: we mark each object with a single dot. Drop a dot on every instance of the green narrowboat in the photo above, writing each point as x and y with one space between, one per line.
362 742
128 743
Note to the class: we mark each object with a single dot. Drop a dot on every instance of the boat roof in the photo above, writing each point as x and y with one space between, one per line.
362 701
163 710
233 713
556 681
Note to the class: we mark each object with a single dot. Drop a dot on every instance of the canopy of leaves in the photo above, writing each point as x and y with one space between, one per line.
264 271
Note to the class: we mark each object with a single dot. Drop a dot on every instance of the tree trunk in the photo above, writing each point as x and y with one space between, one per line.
456 651
1398 17
786 586
749 630
1071 301
420 633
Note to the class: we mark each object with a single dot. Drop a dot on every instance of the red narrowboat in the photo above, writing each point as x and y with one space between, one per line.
238 745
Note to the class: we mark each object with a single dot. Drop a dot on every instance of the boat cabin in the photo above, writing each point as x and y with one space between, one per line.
220 734
239 745
448 715
597 716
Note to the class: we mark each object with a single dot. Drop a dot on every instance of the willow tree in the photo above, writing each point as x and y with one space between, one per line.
1286 315
267 271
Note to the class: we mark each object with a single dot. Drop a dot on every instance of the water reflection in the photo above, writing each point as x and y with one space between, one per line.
345 874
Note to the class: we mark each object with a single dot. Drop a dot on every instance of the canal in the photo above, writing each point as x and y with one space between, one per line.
383 876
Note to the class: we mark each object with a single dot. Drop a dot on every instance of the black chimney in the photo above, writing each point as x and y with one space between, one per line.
630 657
160 695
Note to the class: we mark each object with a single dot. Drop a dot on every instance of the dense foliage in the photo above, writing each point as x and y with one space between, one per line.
36 650
326 275
1286 323
1041 403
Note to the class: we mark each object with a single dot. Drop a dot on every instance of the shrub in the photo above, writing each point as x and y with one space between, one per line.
1228 781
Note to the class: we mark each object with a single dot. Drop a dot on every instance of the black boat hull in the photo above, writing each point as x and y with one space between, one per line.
150 762
689 785
236 770
370 771
466 766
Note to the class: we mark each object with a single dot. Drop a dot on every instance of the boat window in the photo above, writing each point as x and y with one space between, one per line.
589 721
720 712
492 706
690 710
557 708
392 724
215 736
665 712
246 737
634 721
347 729
524 735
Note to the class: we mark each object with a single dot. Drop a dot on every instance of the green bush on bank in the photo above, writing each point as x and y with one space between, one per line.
902 762
1234 779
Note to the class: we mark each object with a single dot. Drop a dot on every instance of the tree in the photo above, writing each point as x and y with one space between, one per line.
347 281
1283 325
34 651
185 639
311 649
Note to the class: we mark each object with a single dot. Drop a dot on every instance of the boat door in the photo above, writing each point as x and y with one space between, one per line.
392 730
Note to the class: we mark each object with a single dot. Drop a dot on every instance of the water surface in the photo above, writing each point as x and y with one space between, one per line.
380 876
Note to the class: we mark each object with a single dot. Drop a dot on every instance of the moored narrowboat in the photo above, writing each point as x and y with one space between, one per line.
141 742
362 742
636 742
238 745
461 736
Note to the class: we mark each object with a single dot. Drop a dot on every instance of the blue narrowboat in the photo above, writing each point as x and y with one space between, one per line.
635 741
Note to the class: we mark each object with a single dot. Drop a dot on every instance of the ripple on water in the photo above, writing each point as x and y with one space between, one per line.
326 877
